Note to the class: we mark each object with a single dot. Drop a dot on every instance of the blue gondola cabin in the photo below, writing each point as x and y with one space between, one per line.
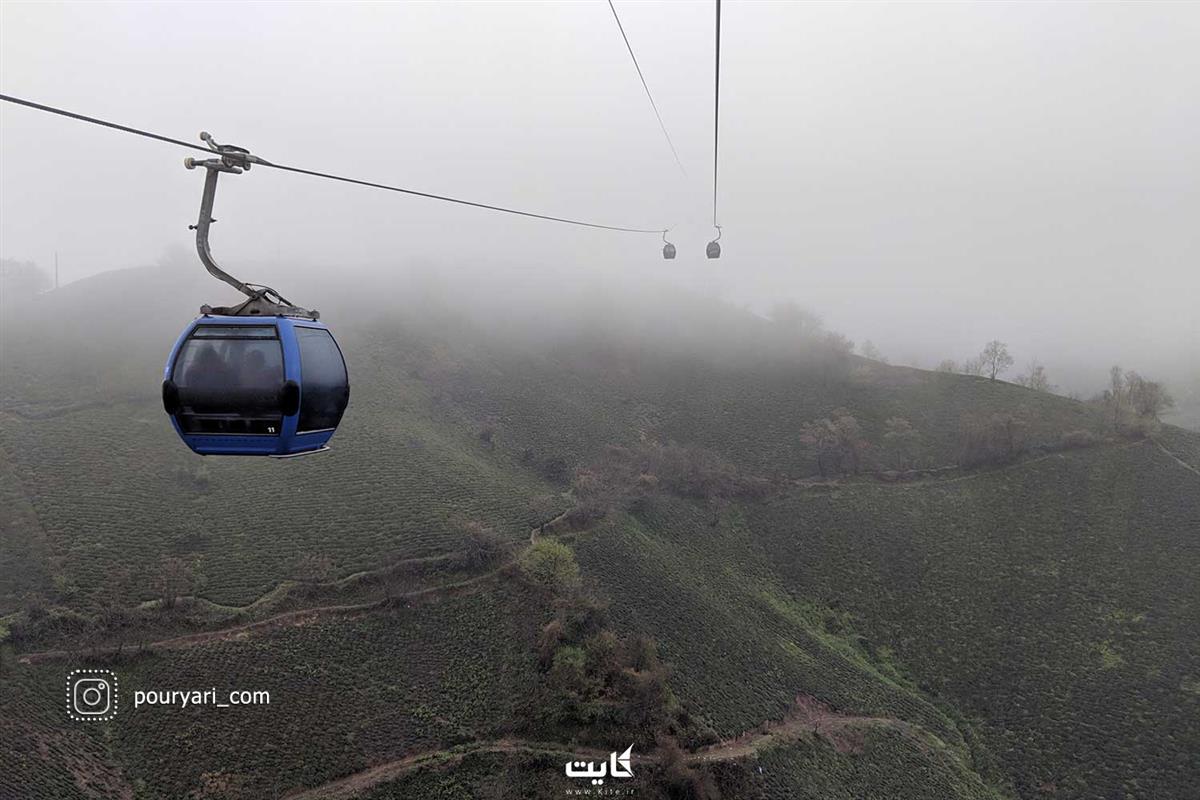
265 386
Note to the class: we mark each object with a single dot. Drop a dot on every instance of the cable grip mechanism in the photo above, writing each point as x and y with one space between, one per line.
263 300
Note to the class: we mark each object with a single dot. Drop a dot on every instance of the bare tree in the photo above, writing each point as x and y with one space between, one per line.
995 359
947 365
850 439
796 321
1036 378
838 441
821 436
972 366
901 439
21 279
176 578
313 568
1116 389
1146 398
482 546
869 350
995 439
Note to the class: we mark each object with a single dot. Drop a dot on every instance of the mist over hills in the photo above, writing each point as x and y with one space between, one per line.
780 569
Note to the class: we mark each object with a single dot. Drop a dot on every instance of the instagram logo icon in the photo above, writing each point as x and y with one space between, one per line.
91 695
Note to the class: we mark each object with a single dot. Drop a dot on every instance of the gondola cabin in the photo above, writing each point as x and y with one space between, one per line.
255 386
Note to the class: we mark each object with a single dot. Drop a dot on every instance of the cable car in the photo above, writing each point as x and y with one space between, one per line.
245 385
713 250
262 378
668 248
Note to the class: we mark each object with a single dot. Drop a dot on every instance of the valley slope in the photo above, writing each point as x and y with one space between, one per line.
1026 628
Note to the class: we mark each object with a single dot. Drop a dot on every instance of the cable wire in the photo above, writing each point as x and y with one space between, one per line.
716 112
649 96
259 160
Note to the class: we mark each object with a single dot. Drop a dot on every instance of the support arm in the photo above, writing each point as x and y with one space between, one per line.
263 300
214 168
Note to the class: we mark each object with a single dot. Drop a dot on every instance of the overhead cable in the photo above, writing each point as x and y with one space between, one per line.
716 112
649 96
259 160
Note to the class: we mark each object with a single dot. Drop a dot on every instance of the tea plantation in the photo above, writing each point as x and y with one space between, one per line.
1029 627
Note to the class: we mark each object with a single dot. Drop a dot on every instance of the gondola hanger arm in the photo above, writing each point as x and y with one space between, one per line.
234 160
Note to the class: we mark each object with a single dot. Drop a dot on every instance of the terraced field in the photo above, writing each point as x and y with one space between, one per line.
678 578
1055 601
246 520
344 694
1026 630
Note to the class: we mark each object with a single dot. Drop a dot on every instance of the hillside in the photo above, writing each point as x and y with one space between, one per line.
1024 627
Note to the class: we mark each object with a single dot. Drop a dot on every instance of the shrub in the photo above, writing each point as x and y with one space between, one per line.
313 568
624 473
568 671
482 546
554 470
682 779
902 441
1140 427
838 442
997 439
584 515
176 578
550 566
1073 440
603 654
487 436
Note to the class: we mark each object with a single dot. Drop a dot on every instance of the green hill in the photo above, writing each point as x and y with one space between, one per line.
903 626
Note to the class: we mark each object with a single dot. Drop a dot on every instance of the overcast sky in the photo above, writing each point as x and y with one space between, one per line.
925 176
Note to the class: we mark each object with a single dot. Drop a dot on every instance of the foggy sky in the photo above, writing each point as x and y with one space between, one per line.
924 176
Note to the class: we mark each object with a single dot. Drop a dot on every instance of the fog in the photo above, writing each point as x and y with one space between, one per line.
927 177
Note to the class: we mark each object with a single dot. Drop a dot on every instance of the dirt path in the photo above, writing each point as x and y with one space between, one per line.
354 785
967 474
1176 458
298 618
308 616
808 716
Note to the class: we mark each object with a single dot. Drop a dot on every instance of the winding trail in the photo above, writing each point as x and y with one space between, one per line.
295 619
807 716
298 617
928 477
308 616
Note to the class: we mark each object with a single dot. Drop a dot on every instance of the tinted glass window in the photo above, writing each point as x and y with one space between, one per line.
229 379
235 332
324 390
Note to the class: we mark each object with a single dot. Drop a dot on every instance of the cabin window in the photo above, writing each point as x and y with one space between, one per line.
324 388
229 377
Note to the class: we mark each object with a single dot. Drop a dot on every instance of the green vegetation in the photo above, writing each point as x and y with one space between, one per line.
550 566
517 551
1054 601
